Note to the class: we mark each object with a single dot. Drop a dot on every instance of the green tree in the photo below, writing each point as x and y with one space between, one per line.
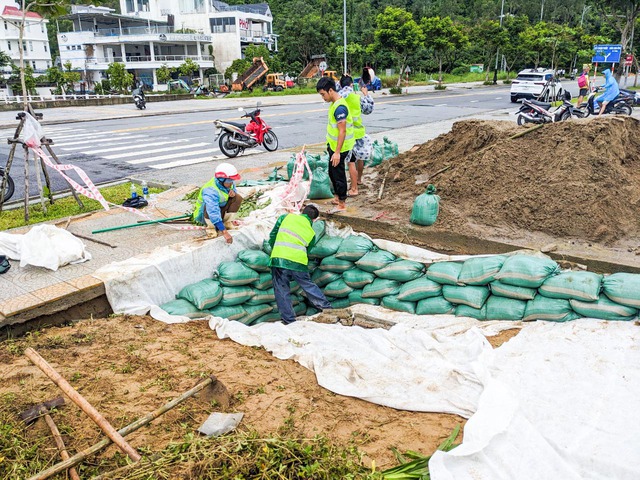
549 43
513 51
163 74
119 78
306 35
22 80
621 15
442 36
4 59
69 78
397 31
239 66
188 68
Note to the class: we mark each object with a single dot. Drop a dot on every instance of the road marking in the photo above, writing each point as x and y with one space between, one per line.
182 163
158 150
141 146
85 135
110 140
473 101
441 105
498 98
138 161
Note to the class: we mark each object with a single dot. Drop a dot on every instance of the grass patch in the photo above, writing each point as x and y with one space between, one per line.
66 207
257 92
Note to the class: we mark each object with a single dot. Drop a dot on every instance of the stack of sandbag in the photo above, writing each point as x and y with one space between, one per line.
320 184
382 152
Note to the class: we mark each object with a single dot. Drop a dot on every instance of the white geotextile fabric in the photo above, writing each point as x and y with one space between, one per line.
44 246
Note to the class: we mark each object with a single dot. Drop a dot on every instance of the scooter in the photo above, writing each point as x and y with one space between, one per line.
533 111
233 138
10 188
139 100
621 105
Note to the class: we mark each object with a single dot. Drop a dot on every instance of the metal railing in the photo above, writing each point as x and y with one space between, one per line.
147 58
148 30
46 98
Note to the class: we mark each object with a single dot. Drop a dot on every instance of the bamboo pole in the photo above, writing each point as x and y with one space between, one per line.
141 422
60 444
149 222
79 400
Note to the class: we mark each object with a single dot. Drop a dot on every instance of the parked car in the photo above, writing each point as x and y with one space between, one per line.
535 83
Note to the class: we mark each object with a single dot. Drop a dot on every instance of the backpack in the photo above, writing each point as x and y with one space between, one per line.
582 81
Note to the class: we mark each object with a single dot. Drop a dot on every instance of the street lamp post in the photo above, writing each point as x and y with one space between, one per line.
495 71
584 11
541 10
344 35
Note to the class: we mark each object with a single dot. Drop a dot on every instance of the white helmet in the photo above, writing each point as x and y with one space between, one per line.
226 170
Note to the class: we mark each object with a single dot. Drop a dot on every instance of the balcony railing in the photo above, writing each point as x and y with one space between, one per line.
151 29
147 58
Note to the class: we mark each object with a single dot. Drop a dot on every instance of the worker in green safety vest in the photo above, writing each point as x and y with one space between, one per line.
340 140
291 238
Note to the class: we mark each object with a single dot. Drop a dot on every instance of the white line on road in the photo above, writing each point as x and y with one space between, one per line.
441 105
184 162
137 161
498 98
473 101
88 143
140 146
158 150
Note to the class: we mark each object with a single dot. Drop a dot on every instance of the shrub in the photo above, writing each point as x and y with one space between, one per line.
440 86
461 70
395 90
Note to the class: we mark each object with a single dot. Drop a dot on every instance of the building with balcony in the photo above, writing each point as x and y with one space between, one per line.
99 37
232 27
37 53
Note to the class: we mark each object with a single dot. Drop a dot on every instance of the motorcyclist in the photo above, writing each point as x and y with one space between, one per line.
611 91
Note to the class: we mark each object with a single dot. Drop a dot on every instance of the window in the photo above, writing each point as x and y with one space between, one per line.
8 43
6 25
30 46
45 47
223 25
24 46
42 27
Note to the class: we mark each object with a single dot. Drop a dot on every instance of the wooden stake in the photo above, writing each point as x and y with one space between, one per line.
38 167
528 130
60 444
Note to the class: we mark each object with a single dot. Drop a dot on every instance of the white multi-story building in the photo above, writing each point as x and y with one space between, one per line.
100 37
37 53
232 27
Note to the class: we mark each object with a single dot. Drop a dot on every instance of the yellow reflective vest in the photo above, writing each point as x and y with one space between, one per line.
333 131
293 238
353 102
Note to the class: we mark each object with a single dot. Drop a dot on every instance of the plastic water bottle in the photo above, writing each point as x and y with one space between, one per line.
145 189
134 192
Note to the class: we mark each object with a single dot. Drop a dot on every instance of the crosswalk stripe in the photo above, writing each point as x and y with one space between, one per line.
169 157
184 162
84 142
158 150
140 146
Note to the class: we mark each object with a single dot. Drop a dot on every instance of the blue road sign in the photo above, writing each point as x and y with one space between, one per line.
607 53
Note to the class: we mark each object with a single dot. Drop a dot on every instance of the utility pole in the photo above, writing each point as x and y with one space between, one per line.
495 71
344 35
541 10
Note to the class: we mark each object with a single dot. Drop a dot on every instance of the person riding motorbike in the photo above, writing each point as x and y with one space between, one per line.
611 91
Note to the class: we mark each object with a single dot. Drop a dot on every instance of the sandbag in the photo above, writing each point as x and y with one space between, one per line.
604 309
402 271
233 274
337 289
319 228
445 273
269 317
434 306
291 164
340 303
426 207
333 264
375 260
583 286
501 308
264 282
203 295
392 302
474 296
355 297
311 311
354 247
255 259
480 270
294 287
511 291
551 309
623 288
326 247
261 296
254 312
266 247
357 278
419 289
526 270
381 287
322 277
467 311
182 307
235 295
320 184
235 312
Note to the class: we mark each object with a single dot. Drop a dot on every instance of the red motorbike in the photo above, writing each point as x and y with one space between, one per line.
233 138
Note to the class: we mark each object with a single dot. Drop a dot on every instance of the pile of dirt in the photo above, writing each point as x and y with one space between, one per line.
578 179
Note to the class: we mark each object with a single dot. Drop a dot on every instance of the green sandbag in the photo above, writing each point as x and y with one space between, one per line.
294 287
333 264
183 308
322 278
357 278
381 287
264 282
266 247
474 296
326 247
311 311
375 260
340 303
203 295
445 273
604 309
236 312
235 295
255 259
377 155
300 309
511 291
390 148
583 286
319 228
268 318
434 306
355 297
425 208
501 308
354 247
623 288
320 184
526 270
254 312
338 289
402 271
233 274
480 270
392 302
261 296
467 311
419 289
551 309
291 164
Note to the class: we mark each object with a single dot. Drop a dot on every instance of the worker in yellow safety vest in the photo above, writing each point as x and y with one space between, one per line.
291 238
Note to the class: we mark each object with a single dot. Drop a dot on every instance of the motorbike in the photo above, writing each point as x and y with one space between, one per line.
533 111
10 188
621 105
139 100
233 137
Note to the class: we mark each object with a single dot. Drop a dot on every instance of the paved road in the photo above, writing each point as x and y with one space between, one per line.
110 150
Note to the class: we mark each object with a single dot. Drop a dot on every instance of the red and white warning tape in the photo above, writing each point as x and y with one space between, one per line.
295 193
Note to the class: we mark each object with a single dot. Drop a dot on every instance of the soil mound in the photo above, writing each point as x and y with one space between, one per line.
576 179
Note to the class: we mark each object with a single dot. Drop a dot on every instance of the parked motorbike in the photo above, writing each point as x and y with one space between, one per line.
10 188
139 100
233 138
631 93
621 105
533 111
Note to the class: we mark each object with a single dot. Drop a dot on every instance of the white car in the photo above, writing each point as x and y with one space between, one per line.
531 83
